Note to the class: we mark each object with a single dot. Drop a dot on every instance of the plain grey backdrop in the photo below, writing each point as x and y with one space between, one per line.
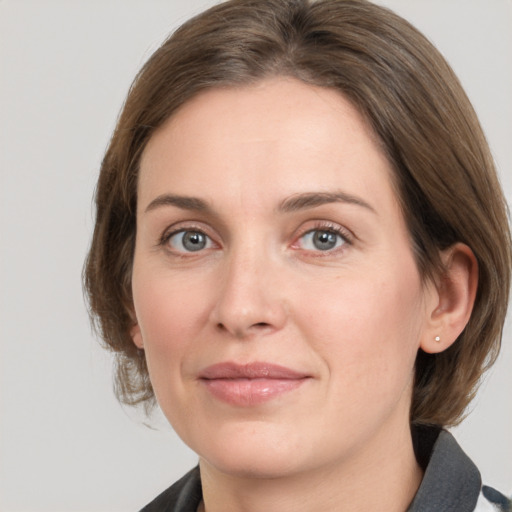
65 67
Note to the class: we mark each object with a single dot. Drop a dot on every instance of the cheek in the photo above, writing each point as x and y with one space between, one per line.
367 327
170 315
170 312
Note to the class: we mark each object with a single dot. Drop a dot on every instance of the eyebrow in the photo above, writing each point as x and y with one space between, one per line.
183 202
313 199
292 204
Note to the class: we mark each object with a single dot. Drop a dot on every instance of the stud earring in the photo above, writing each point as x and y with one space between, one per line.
437 338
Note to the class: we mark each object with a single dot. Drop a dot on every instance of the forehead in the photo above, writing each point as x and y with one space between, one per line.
287 135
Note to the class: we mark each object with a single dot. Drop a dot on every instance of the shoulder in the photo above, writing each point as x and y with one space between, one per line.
183 496
491 500
451 480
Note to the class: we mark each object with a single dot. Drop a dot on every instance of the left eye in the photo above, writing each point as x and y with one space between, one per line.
189 241
321 240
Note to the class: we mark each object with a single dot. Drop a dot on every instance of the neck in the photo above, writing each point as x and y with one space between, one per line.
384 476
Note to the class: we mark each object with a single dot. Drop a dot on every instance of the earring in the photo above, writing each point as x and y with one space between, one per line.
437 338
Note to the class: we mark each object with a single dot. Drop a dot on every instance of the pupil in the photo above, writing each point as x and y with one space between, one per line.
193 241
324 240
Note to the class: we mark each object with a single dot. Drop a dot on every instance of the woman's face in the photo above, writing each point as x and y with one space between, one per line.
277 297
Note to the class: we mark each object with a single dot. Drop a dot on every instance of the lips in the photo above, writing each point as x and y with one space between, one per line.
250 384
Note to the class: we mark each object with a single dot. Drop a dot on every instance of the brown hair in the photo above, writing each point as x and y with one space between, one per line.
407 93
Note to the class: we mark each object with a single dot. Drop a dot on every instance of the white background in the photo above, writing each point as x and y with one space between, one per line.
65 67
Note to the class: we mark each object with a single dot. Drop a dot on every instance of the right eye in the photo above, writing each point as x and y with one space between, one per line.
189 241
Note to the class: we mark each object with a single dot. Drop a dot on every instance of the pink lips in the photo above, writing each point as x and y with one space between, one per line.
250 384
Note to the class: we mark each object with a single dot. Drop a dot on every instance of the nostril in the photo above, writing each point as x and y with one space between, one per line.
242 332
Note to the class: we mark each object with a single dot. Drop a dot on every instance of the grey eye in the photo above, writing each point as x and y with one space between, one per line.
321 240
324 240
189 241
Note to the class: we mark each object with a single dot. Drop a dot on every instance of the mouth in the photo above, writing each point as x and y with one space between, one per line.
250 384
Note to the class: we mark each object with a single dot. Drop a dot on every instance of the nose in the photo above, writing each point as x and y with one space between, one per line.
250 300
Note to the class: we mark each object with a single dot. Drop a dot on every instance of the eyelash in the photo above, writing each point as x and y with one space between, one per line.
167 235
327 227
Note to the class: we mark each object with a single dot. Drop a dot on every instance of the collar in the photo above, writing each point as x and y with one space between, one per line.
451 481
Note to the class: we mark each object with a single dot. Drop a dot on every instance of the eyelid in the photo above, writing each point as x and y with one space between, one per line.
321 225
177 242
184 226
314 225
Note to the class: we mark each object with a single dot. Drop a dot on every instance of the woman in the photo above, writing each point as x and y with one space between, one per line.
301 251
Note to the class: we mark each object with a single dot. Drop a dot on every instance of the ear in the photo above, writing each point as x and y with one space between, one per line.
452 299
136 336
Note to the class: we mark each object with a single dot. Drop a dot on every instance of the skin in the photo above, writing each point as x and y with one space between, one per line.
351 318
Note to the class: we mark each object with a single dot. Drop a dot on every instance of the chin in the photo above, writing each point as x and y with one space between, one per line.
267 466
255 453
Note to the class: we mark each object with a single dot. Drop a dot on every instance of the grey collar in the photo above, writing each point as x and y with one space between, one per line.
451 481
